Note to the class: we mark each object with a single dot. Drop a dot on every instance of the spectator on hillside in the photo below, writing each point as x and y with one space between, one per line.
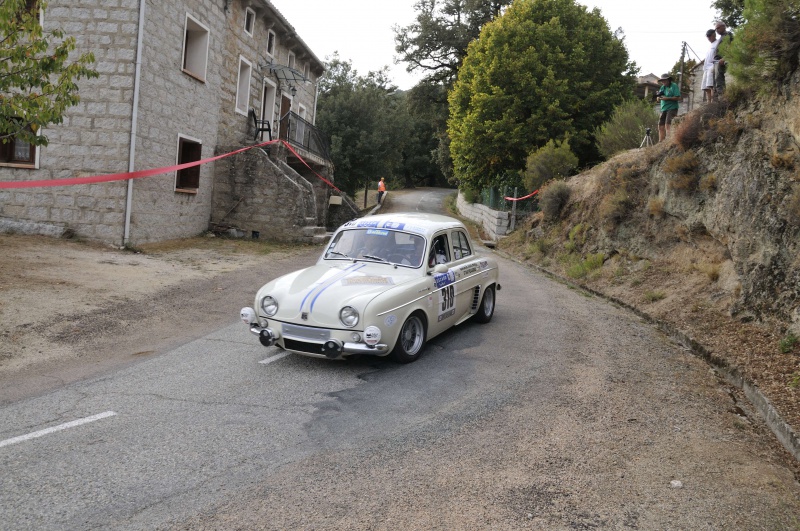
708 67
720 63
669 95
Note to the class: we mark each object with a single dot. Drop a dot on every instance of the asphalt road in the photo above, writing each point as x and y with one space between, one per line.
564 412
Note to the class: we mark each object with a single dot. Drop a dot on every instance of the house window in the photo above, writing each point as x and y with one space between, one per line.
271 43
195 48
305 72
18 153
290 62
188 179
243 86
249 21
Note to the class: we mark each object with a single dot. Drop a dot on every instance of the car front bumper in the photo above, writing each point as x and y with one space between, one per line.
309 341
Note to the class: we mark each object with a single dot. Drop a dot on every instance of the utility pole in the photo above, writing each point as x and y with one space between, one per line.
680 75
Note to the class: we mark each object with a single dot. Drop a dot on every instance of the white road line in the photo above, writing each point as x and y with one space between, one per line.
276 357
54 429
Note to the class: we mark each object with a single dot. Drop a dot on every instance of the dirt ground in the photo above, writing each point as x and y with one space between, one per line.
70 309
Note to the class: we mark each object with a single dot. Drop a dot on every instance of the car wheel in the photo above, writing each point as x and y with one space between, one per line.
486 309
410 341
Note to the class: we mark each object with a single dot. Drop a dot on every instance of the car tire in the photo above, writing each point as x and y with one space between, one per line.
486 309
411 340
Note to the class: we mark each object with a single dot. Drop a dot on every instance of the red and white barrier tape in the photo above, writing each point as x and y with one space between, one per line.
521 198
147 173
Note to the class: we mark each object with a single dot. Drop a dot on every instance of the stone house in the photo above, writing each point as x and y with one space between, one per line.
180 81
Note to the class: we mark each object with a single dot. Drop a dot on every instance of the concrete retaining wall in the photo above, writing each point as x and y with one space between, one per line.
495 222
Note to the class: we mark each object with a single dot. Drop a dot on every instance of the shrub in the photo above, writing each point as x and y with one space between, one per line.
655 207
710 270
553 198
783 160
616 206
581 268
555 160
724 127
653 296
470 195
765 51
692 131
626 127
684 163
788 343
684 182
543 245
794 206
684 167
708 182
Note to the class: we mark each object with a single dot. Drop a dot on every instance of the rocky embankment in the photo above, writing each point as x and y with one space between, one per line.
701 233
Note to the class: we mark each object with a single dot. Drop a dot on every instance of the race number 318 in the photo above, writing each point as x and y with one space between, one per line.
447 297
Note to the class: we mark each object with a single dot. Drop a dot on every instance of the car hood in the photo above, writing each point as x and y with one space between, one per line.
314 296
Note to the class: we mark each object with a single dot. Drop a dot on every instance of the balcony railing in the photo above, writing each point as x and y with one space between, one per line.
301 133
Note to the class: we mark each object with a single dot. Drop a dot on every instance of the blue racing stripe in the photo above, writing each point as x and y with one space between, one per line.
321 283
331 284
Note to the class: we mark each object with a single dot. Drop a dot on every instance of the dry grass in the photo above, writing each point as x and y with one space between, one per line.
708 182
655 207
712 271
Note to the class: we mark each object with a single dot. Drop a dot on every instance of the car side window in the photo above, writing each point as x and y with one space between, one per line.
461 248
440 251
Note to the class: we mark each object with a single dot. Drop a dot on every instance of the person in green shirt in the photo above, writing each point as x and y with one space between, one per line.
669 95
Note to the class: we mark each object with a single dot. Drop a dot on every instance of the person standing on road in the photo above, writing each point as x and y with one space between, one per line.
708 67
381 190
669 95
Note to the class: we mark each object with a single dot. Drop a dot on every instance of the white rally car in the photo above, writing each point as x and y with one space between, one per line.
384 285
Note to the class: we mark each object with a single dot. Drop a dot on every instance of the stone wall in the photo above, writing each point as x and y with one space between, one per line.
254 193
495 222
94 137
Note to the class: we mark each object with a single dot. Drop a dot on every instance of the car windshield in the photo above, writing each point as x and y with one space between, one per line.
378 245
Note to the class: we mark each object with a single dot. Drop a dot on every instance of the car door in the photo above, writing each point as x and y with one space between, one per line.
443 311
467 269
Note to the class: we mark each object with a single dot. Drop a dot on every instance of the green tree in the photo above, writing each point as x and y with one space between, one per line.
554 160
436 42
367 122
545 69
37 77
627 127
731 12
766 49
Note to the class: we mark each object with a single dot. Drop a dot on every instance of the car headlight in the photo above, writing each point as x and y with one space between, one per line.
269 305
348 316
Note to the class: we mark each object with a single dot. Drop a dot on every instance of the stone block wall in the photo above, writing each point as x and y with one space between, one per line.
495 222
173 103
253 193
94 137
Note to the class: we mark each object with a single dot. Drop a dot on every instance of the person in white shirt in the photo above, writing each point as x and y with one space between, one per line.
708 67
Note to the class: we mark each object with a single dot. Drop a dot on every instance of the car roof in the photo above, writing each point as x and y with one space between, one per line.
417 222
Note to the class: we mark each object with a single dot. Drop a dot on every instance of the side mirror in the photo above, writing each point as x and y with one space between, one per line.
440 268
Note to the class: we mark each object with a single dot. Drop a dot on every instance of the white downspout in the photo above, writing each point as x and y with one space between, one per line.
134 122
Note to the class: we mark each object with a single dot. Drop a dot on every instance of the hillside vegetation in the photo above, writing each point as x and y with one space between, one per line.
701 231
